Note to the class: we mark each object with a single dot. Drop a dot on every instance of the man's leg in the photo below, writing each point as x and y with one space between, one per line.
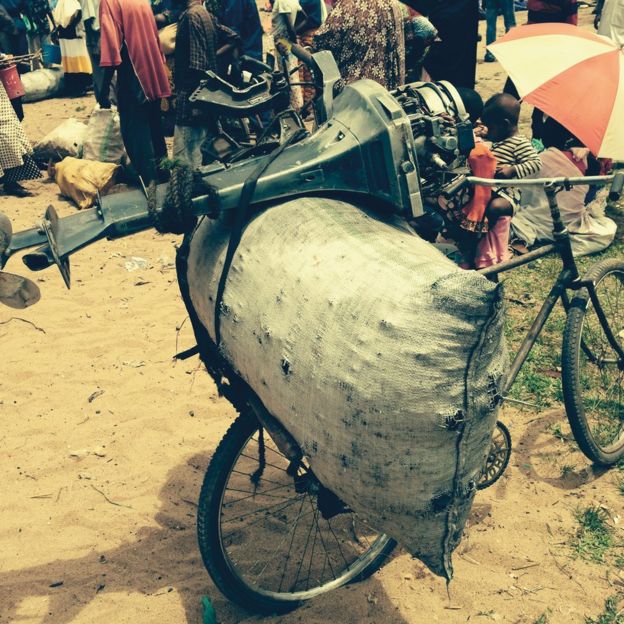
509 15
491 17
136 133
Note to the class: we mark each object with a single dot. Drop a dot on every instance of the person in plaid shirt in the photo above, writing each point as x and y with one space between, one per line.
197 47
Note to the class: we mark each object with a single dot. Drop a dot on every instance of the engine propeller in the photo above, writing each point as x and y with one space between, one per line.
15 291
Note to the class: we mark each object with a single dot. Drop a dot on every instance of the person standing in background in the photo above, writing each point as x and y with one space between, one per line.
91 22
243 18
283 21
130 46
492 8
39 16
71 34
546 11
610 20
195 53
367 40
454 56
315 13
15 40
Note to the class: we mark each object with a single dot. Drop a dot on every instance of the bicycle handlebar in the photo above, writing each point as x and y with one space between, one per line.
616 180
589 180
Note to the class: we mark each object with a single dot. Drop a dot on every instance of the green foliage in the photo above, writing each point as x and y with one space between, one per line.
594 536
611 614
544 618
566 470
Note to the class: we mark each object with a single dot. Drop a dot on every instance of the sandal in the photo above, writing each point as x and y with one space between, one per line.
17 190
518 247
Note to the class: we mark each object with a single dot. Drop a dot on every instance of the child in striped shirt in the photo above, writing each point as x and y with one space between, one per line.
515 155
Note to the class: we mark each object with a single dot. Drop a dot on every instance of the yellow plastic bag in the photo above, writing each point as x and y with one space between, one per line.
81 180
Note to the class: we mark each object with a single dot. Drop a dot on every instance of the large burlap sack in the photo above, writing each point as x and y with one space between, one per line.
82 180
380 356
103 140
42 84
65 140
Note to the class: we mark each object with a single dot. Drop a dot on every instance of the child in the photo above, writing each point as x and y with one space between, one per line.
515 155
515 158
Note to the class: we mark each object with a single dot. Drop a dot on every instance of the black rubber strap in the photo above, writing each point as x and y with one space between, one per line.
185 355
240 219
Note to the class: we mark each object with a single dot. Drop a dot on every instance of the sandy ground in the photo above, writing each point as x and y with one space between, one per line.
104 441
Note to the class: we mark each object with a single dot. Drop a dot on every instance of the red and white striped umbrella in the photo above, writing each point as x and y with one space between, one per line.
572 75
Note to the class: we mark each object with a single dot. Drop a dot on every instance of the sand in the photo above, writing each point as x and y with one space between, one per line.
104 441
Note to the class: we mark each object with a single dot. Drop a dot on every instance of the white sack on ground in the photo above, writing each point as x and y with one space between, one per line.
65 140
103 140
42 84
376 352
590 230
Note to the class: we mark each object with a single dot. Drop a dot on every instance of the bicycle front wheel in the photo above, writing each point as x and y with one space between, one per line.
592 366
270 535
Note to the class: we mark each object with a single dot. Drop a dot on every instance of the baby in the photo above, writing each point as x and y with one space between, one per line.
515 155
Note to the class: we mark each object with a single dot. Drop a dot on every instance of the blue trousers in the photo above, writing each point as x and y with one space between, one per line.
492 9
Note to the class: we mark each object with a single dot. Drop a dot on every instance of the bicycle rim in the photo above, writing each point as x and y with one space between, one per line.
600 374
274 536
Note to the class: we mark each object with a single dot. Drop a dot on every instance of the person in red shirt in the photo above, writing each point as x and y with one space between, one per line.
130 46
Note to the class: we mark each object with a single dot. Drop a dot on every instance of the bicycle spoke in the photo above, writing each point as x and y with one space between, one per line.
266 462
272 558
316 528
257 511
305 550
248 474
290 547
252 495
269 448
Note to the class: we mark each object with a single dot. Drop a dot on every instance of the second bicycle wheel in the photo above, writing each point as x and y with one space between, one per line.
592 366
270 535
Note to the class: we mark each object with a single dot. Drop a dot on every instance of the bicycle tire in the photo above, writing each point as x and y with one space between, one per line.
583 361
494 467
211 543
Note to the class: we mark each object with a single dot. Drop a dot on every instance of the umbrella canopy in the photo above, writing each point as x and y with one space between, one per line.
572 75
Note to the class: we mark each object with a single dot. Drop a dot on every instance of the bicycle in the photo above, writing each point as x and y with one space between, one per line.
592 358
271 535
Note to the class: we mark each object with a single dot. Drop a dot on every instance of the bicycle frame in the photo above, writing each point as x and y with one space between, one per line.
568 278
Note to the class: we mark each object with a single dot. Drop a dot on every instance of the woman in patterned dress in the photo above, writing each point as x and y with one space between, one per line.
367 40
16 162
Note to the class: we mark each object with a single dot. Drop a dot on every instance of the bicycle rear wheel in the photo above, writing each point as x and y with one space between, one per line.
592 369
497 458
270 535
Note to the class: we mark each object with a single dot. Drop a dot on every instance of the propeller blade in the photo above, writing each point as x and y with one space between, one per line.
18 292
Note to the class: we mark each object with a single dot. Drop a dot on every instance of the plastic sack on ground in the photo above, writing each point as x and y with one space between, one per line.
380 356
103 140
42 84
65 140
81 180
